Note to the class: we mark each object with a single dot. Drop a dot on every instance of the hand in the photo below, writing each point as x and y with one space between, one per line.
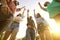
23 7
27 10
38 3
34 10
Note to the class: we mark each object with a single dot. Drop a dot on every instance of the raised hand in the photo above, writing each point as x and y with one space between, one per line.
41 6
34 11
23 10
28 13
18 9
23 7
38 3
27 10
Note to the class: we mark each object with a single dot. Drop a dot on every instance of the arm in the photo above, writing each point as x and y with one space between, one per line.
18 9
34 13
7 1
27 13
41 7
23 13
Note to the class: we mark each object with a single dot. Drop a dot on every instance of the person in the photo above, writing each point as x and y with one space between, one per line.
54 11
30 32
42 27
6 17
14 27
45 5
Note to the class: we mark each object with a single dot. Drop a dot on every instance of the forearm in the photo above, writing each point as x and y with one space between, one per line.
34 14
27 15
18 9
42 7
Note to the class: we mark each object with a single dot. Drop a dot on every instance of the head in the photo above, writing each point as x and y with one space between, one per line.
38 15
30 17
16 2
19 14
46 4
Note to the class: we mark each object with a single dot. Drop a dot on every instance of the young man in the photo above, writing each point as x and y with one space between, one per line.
30 32
14 27
42 27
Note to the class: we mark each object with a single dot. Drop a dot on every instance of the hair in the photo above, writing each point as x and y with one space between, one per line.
46 3
30 17
38 15
16 2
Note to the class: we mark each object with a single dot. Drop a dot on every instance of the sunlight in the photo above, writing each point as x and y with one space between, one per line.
54 27
31 6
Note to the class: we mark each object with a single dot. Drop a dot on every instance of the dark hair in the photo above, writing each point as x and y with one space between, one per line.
38 15
46 3
15 2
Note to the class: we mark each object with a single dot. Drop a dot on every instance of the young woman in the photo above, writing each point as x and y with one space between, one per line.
42 27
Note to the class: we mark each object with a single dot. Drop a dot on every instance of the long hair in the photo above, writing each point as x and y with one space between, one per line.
38 15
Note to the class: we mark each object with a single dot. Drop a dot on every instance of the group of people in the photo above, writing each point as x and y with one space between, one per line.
10 24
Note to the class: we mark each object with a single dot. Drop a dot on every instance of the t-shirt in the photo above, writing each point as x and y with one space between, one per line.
30 22
40 19
53 8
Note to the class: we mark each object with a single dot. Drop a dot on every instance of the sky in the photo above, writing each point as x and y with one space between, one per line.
31 5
